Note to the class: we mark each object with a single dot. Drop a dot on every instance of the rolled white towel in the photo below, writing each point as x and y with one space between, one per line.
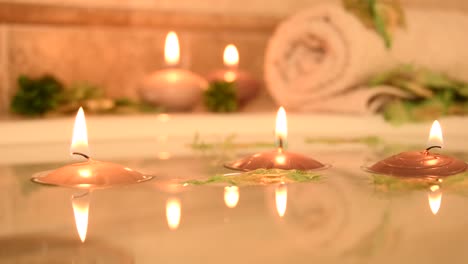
316 59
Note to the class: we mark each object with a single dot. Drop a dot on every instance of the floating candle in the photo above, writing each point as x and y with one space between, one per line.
90 174
279 158
421 163
246 86
173 88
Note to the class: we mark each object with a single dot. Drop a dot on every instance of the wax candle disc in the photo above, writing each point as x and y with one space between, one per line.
419 164
276 160
91 175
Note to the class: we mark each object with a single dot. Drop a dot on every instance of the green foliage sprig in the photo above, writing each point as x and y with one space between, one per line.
36 96
260 177
221 97
433 94
380 15
47 95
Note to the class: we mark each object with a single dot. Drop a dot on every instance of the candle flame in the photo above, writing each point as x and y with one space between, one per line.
80 206
435 135
435 198
231 56
173 213
172 49
281 198
281 131
80 134
231 196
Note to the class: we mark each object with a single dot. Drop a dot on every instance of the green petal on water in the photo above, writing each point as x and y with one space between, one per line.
260 177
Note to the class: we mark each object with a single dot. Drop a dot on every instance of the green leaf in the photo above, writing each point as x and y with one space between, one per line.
380 15
397 113
36 96
221 97
259 177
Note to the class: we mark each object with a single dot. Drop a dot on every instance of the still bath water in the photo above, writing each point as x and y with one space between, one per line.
346 217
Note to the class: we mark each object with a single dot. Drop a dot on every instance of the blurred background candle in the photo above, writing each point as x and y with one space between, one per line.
173 88
246 86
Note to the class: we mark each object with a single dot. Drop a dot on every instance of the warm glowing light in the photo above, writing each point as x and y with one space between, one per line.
85 173
80 134
231 56
164 118
231 196
172 49
281 198
435 198
435 136
281 131
164 155
230 76
81 211
173 213
280 159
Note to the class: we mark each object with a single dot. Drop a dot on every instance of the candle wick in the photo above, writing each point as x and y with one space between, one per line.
280 143
81 154
431 147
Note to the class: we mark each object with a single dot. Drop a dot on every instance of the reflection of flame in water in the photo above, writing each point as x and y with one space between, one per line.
231 196
80 134
435 135
173 213
281 197
435 198
80 204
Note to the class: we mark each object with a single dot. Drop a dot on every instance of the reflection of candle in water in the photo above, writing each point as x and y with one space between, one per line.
231 196
281 198
435 198
80 204
173 213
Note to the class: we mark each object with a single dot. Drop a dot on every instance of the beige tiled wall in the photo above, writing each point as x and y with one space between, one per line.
259 7
117 58
3 70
